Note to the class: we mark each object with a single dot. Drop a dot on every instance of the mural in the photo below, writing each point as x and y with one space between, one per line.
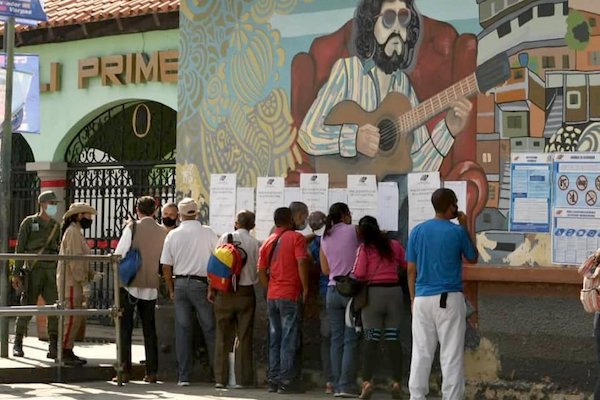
280 87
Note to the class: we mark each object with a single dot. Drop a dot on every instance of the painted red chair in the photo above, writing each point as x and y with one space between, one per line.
444 58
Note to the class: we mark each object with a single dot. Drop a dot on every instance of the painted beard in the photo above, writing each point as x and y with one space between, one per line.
389 64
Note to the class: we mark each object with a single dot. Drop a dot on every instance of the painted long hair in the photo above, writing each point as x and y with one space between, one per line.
364 31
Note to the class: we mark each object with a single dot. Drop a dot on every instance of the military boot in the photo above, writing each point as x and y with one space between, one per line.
18 346
52 347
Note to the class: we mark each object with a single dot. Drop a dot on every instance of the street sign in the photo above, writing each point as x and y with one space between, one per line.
23 9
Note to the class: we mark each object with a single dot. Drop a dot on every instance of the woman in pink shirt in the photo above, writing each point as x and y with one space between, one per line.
378 263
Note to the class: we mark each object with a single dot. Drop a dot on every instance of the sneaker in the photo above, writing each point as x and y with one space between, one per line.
346 395
367 390
152 378
124 378
219 386
273 387
18 349
290 388
329 388
183 383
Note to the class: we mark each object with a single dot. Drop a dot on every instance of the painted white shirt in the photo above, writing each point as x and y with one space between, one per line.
249 275
188 247
122 248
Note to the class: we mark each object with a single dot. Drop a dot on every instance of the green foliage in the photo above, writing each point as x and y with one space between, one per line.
578 31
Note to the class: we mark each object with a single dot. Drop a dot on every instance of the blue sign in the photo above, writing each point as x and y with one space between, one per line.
26 92
23 9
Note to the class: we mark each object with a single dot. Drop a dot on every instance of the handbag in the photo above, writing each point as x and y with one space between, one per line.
590 293
131 263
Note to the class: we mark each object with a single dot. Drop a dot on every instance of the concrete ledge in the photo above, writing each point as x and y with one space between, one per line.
558 275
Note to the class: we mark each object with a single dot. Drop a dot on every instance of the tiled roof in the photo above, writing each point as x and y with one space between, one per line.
74 12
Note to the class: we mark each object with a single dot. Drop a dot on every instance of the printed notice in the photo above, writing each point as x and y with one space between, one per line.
362 196
291 194
576 235
530 192
222 202
269 197
315 191
421 186
460 189
576 180
388 206
245 199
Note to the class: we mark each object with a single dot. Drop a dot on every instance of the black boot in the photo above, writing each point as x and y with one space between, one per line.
18 346
52 347
69 358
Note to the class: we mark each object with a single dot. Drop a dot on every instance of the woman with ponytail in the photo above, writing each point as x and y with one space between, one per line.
378 261
338 251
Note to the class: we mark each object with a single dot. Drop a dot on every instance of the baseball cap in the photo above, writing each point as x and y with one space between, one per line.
47 196
188 207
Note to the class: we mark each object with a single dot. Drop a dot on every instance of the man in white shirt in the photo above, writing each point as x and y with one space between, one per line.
234 311
147 236
185 258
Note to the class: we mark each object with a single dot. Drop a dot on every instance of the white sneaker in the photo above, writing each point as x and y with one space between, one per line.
183 383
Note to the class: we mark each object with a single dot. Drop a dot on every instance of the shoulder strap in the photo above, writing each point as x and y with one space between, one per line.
230 238
274 247
133 227
48 240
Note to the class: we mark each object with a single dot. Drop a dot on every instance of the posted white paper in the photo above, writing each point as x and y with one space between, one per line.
421 186
315 191
245 199
460 188
222 202
362 196
337 195
575 235
291 194
269 197
388 206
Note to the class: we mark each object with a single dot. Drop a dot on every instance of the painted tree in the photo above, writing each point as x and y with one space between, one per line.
578 31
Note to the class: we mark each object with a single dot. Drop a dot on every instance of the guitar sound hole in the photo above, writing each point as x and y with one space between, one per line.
387 135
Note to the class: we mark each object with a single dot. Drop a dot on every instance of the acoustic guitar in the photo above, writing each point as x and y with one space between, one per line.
396 120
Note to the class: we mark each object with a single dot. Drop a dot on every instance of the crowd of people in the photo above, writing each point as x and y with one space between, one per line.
179 249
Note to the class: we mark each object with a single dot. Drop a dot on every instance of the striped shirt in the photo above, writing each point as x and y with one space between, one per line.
353 79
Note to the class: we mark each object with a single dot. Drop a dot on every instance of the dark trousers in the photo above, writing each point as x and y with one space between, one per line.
284 327
146 313
234 313
597 335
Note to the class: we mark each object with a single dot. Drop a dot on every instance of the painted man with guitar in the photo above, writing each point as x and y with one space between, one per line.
367 118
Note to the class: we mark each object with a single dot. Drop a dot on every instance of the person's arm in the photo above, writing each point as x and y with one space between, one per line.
303 272
22 239
124 242
263 278
168 274
360 269
314 136
412 278
263 265
324 262
469 247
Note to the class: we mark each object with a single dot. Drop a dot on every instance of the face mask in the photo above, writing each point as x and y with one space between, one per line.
169 222
52 210
85 223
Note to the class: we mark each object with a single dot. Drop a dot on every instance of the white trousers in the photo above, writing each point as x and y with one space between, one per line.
430 324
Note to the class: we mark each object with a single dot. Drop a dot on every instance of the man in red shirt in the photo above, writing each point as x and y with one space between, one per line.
283 270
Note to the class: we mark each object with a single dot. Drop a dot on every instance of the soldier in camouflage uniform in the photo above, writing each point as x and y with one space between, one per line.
38 233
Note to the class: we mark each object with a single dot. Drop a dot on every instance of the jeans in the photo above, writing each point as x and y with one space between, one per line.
284 326
325 331
190 300
146 312
344 343
597 335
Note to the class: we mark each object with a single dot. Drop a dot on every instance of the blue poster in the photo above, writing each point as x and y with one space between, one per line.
23 9
531 187
26 92
576 180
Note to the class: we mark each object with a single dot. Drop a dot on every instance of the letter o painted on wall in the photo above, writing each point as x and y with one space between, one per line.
141 120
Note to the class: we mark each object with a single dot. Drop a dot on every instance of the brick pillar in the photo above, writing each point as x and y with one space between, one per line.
53 176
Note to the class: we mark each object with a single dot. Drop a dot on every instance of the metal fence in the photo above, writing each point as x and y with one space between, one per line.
59 309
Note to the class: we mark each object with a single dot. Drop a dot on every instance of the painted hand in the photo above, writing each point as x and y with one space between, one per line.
458 116
367 140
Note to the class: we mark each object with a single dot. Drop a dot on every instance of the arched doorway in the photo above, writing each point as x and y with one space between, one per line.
126 152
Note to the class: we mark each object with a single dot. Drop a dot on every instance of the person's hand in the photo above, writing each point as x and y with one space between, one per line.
305 296
17 283
172 295
210 296
462 218
458 116
367 140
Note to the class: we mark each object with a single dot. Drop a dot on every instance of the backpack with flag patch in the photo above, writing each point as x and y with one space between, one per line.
225 265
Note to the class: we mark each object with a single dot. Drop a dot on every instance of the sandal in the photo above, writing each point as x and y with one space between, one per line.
396 391
367 390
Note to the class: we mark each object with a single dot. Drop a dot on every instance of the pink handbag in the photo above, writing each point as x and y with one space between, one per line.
590 293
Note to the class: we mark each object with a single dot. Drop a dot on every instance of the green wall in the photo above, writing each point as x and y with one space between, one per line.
63 113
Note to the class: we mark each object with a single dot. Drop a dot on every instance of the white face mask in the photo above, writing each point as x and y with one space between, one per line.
52 210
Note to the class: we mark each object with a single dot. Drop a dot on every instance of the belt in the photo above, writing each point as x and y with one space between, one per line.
194 277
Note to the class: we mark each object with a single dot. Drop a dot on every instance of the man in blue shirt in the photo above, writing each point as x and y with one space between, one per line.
435 255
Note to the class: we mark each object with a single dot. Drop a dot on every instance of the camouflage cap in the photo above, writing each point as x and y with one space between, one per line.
47 196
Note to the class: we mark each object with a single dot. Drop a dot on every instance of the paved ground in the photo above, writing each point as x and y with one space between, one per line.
139 390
